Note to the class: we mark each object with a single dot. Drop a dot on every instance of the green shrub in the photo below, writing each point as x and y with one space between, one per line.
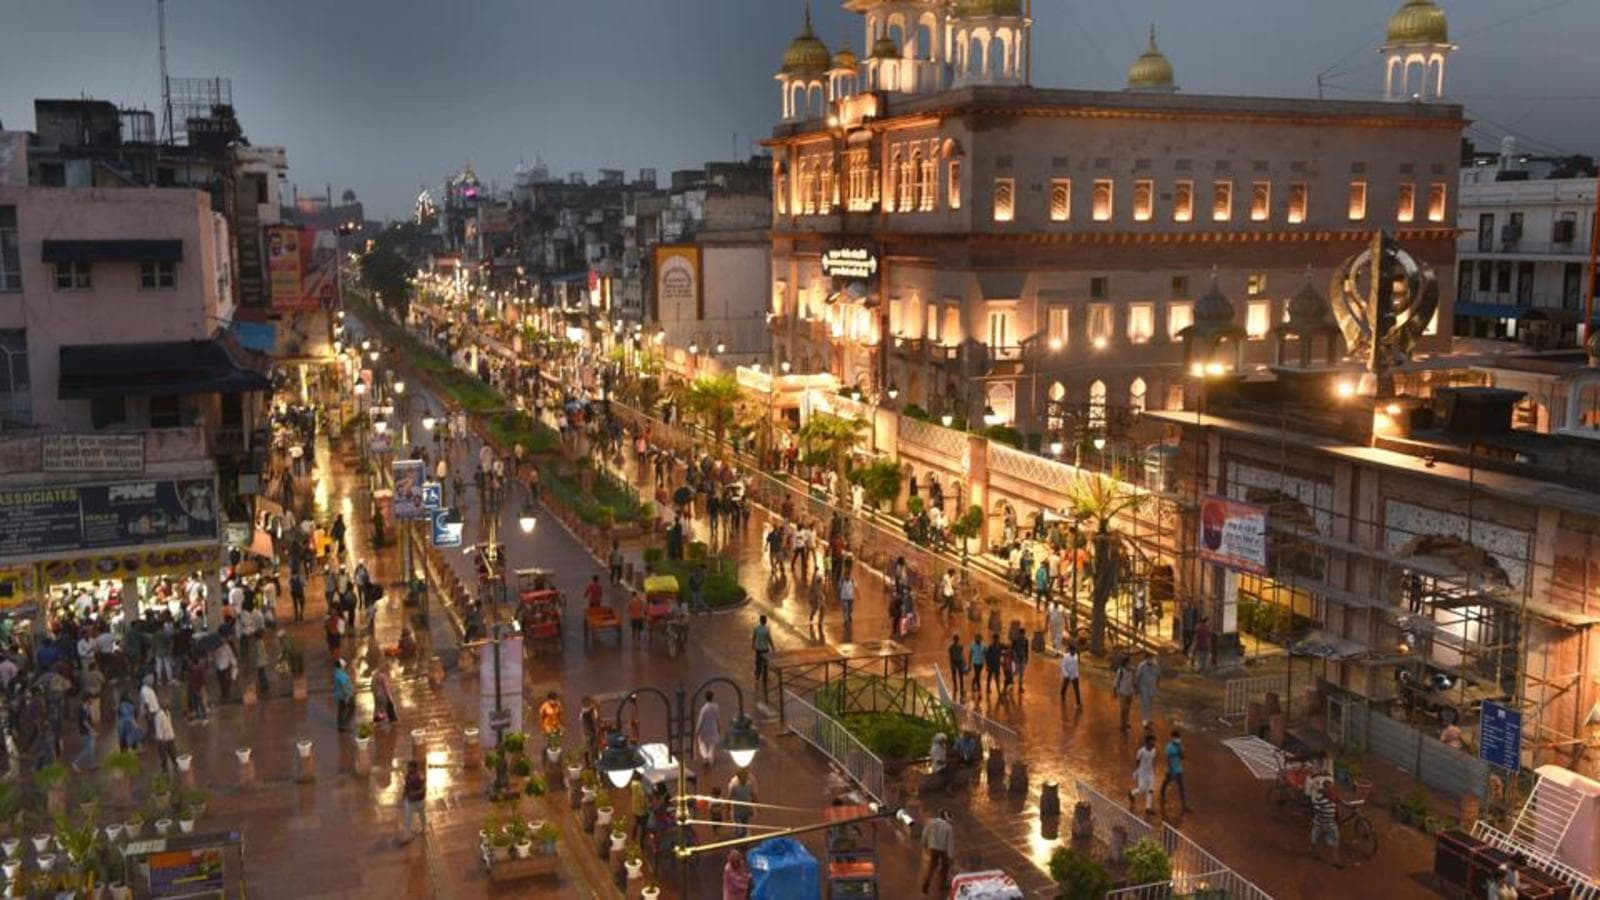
1004 434
1078 875
913 411
1147 862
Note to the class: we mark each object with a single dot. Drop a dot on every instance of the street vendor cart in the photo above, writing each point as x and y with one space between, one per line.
539 609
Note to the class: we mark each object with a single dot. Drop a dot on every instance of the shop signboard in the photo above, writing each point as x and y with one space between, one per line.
92 452
67 519
1233 534
854 263
408 499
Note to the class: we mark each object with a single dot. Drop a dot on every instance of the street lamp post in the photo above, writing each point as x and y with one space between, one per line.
623 760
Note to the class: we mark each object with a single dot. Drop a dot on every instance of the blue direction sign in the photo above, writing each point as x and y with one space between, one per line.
1500 736
432 496
445 532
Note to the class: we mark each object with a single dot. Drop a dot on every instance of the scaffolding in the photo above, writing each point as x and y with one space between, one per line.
197 99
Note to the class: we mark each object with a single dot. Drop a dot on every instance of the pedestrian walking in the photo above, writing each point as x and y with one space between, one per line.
847 597
226 664
86 735
614 561
198 713
1174 754
761 643
1144 775
166 740
551 714
939 840
344 695
958 667
1145 679
1069 676
1122 689
1056 623
1019 656
383 711
816 597
977 658
129 735
708 732
741 794
297 594
413 802
337 532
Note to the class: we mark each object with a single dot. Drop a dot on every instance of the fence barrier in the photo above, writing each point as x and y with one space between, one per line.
968 718
1583 887
1109 814
834 741
1240 691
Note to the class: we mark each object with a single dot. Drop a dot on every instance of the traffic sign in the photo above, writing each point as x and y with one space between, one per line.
445 532
432 496
1500 736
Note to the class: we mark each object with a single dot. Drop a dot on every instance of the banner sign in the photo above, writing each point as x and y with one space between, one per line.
72 518
302 268
92 452
408 500
283 267
445 532
133 564
1500 736
678 282
380 444
854 263
1234 534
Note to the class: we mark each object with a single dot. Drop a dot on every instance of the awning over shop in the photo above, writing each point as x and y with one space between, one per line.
112 251
166 367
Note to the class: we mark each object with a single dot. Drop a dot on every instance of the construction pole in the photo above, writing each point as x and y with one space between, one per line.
166 83
1594 259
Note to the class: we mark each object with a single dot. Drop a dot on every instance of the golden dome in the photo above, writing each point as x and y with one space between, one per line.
807 53
982 9
1419 22
884 48
845 59
1152 70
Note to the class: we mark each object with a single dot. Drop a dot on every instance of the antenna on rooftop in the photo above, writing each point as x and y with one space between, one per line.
166 83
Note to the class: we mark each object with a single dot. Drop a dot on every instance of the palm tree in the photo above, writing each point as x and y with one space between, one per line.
828 439
1101 499
715 399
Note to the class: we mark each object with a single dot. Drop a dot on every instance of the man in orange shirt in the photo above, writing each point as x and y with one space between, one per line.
636 615
550 714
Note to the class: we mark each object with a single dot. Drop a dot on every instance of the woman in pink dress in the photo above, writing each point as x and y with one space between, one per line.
735 878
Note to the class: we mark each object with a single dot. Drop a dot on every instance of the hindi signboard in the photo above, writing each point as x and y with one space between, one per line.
283 267
92 452
1500 736
852 263
1233 534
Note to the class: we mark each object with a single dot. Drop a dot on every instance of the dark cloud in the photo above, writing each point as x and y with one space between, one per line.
385 95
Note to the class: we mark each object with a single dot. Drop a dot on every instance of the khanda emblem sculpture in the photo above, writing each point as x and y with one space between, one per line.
1383 299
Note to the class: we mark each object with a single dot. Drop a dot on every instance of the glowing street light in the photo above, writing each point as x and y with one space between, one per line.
526 521
990 417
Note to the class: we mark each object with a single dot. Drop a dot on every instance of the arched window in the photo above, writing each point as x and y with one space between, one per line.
1136 393
1097 404
917 189
1054 415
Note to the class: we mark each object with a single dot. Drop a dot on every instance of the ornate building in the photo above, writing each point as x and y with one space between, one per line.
944 228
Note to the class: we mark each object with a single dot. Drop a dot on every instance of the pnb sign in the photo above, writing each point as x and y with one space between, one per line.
854 263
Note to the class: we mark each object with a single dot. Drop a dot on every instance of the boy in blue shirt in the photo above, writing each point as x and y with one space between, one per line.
1174 751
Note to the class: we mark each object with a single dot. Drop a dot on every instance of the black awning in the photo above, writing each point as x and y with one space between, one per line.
89 371
112 251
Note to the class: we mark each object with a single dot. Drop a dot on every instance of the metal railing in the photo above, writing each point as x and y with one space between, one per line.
1109 814
833 740
1195 872
969 719
1238 692
1583 887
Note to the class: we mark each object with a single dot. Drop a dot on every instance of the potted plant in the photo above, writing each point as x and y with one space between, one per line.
41 842
364 733
87 796
632 861
1147 863
652 891
605 808
52 780
513 742
134 825
1077 875
521 768
11 866
195 799
521 838
619 839
546 838
500 841
13 846
552 747
242 754
161 790
185 761
536 787
491 760
573 766
186 819
163 827
46 861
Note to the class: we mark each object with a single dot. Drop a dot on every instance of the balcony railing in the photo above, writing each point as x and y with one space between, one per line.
1522 247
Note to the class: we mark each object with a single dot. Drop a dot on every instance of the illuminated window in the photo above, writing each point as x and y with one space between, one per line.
1004 197
905 199
781 191
917 197
1097 404
955 184
1141 322
950 333
1136 394
1144 200
1258 319
1222 201
1100 327
932 327
827 190
1358 200
1437 194
858 183
1060 199
1103 192
1179 317
929 189
1256 284
1260 201
1183 201
897 314
1297 203
1057 319
1405 207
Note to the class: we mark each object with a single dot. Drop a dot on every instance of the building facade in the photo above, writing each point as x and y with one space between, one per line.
951 236
1524 248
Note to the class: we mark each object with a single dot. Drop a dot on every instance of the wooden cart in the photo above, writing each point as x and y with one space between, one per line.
601 620
539 610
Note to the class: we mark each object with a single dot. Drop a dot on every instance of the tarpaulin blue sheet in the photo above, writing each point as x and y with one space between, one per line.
783 869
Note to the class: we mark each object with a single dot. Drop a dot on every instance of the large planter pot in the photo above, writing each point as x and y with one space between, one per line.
47 861
303 747
242 754
185 761
619 840
524 849
635 868
163 827
13 846
604 814
185 826
41 843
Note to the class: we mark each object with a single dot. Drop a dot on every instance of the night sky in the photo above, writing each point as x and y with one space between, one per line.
383 96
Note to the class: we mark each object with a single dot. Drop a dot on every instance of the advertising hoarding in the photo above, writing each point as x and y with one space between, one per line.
70 518
1233 534
678 281
408 494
